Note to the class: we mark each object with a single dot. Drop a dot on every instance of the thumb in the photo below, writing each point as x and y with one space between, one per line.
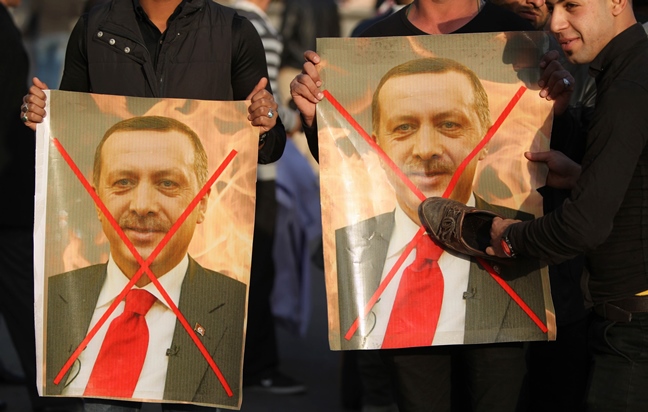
538 156
38 83
260 86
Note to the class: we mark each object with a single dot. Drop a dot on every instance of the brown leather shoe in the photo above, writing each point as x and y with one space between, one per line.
458 227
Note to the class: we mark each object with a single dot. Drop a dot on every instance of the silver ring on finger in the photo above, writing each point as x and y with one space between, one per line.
270 114
566 83
24 118
24 108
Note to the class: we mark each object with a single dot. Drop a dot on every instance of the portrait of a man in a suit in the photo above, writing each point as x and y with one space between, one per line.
428 115
147 171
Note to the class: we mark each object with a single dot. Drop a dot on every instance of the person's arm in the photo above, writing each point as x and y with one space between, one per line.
563 172
616 142
248 69
75 72
306 93
75 77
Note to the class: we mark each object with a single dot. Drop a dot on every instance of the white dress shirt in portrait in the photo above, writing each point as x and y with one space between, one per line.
161 324
455 269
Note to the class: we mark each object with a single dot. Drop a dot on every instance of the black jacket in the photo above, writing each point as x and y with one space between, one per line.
207 53
17 144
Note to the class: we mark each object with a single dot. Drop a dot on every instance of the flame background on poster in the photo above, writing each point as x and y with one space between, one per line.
354 186
79 123
68 234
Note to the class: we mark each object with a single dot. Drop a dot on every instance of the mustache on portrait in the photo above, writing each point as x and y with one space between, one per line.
429 167
144 223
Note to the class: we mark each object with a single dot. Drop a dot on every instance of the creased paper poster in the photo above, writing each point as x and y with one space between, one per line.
408 118
143 238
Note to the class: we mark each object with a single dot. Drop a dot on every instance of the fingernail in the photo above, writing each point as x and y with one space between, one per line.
320 96
318 83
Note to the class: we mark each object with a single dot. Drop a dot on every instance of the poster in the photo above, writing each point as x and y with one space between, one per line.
408 118
148 194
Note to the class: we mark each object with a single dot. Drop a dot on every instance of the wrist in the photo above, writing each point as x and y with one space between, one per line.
262 139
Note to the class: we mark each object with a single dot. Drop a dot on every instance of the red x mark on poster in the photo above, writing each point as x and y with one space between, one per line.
421 232
144 265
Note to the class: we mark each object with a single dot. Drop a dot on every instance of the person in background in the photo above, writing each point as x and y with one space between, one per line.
139 53
603 218
261 366
412 370
304 21
558 370
17 156
386 9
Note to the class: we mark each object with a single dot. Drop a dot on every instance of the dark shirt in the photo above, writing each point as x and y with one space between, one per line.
365 24
152 36
75 75
490 19
17 142
606 215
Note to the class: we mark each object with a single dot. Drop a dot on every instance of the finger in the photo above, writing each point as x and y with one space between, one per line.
558 82
262 99
304 86
260 119
35 95
538 156
37 107
311 71
493 228
31 119
38 83
490 251
261 108
259 86
264 122
562 83
549 65
311 56
548 57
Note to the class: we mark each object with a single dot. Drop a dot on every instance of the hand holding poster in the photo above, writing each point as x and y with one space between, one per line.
409 118
143 237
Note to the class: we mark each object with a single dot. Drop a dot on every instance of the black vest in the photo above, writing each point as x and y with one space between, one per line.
194 61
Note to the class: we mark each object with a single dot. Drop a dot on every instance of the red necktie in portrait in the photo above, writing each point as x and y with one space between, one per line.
123 350
416 309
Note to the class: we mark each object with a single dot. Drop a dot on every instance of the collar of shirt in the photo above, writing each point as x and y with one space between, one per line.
623 43
116 281
405 229
139 10
151 35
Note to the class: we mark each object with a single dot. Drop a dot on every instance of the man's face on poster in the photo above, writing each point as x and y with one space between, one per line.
147 179
428 125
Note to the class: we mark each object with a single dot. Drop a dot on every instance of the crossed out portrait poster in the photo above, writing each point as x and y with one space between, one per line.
407 118
143 240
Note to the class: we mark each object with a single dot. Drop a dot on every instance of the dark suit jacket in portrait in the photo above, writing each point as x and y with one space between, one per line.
491 315
208 298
